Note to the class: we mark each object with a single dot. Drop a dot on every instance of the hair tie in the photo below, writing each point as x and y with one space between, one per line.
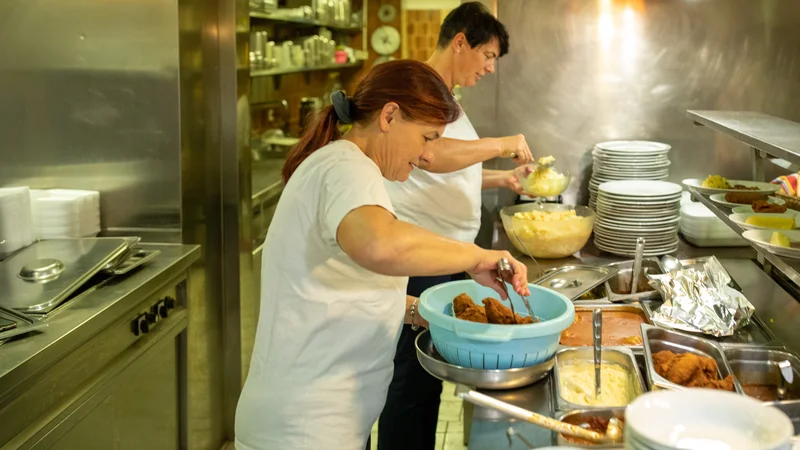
343 105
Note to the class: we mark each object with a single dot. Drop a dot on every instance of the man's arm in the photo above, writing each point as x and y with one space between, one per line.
450 155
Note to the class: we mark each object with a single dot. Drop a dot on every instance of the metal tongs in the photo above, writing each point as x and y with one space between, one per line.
507 276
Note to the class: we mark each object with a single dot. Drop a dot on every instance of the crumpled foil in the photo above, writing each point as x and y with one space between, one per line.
700 301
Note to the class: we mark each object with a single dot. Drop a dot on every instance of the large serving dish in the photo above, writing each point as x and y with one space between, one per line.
757 370
619 322
437 366
658 339
619 286
762 238
704 419
720 200
760 187
619 356
548 239
490 346
740 219
583 417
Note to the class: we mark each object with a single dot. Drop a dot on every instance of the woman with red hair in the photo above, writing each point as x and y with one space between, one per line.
336 263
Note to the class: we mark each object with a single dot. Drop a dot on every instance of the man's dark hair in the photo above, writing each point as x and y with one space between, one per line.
478 25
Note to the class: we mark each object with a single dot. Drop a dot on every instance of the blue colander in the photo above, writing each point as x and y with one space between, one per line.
489 346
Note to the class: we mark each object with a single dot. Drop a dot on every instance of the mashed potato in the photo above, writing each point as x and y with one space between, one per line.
550 234
577 384
545 181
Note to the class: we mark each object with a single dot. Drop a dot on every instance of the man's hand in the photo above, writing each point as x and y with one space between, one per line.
516 148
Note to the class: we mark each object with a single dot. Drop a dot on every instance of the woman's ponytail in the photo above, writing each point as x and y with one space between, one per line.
323 130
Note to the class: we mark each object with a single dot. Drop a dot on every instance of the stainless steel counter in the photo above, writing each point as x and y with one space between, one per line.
778 309
85 335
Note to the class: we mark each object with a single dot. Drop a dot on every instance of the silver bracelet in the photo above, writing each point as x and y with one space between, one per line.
412 309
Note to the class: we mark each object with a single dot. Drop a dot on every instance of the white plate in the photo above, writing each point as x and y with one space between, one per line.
670 419
763 188
641 188
715 242
762 237
744 209
641 202
628 163
670 205
739 219
632 251
644 221
633 147
720 200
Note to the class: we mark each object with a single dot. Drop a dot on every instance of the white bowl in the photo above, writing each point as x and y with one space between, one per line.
740 219
706 419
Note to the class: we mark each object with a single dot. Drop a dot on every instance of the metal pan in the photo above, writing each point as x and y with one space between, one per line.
619 286
658 339
582 416
759 366
435 365
635 308
573 281
616 355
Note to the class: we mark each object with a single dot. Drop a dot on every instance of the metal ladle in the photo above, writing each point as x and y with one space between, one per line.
787 376
613 433
637 265
597 340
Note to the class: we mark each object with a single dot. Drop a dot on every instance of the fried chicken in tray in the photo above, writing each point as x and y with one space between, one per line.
690 370
493 311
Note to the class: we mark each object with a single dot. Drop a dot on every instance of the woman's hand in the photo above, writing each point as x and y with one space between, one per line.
485 273
516 148
513 177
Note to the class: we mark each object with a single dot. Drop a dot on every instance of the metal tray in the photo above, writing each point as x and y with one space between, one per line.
598 294
574 281
630 307
755 333
24 324
616 355
136 258
759 365
580 416
434 364
618 286
657 339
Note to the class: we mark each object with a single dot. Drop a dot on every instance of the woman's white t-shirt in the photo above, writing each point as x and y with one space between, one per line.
327 329
448 204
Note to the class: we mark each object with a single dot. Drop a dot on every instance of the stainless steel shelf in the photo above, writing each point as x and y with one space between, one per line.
789 268
271 72
302 21
775 136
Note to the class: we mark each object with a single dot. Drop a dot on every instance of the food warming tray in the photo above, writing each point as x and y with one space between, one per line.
615 355
21 323
574 281
619 286
582 415
759 365
45 273
657 339
635 308
435 365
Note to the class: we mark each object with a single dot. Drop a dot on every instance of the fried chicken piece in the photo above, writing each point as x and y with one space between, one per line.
763 206
632 340
498 313
462 303
690 370
684 369
743 198
466 309
525 320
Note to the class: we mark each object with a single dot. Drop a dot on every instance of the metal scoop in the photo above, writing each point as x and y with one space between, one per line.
597 338
613 433
787 376
637 264
507 274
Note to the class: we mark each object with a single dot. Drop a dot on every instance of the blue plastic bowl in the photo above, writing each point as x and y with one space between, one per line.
489 346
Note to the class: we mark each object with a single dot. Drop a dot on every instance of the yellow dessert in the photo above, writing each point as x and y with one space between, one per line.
716 182
773 223
577 384
780 240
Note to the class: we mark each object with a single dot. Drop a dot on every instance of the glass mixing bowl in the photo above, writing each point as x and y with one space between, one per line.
548 235
545 187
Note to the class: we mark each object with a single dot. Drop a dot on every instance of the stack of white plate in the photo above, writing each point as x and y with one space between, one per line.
629 209
704 229
704 419
65 213
627 160
16 222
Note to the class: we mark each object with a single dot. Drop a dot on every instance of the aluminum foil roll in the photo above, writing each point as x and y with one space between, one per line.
700 301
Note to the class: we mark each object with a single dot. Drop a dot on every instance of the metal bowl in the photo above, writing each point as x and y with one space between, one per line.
435 365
